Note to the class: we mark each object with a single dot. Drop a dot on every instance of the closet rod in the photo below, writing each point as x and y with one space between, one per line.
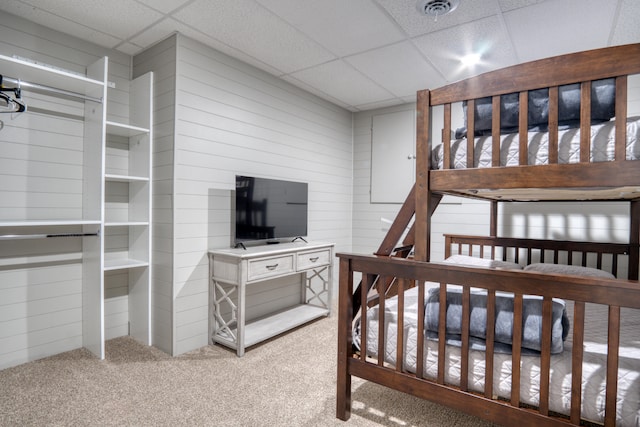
43 236
43 88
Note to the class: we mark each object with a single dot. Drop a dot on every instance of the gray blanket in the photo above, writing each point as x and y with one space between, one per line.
531 321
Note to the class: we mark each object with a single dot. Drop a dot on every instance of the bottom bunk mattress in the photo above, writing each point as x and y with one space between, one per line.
602 147
594 362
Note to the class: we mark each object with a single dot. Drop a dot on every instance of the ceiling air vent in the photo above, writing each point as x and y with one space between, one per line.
436 8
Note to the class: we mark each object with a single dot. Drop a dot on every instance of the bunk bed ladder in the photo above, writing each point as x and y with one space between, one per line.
389 246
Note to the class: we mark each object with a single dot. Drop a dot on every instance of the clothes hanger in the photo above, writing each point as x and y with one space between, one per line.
14 104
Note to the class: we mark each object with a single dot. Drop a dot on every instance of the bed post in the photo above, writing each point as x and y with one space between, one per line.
634 239
423 194
345 340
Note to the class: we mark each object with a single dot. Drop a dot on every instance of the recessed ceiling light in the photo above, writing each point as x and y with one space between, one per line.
436 8
470 59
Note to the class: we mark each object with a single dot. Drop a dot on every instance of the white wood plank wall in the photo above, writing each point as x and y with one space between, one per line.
231 119
369 227
599 221
41 178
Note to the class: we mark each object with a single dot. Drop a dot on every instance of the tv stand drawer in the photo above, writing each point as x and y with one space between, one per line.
270 267
313 259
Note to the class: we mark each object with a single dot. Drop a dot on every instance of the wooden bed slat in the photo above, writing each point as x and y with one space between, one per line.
516 349
400 329
442 331
523 136
491 329
634 239
471 107
381 318
553 125
421 312
621 111
576 361
367 280
613 346
464 350
495 131
585 122
446 138
545 354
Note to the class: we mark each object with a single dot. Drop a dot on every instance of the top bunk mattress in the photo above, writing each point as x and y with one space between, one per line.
602 147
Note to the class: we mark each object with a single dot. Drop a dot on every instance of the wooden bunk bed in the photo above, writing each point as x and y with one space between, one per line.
398 285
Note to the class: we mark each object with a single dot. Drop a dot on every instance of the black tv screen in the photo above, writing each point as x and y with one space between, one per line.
269 209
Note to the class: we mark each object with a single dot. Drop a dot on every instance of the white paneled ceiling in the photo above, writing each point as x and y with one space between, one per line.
359 54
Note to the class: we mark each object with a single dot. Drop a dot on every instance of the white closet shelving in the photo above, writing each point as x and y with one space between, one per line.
127 223
90 197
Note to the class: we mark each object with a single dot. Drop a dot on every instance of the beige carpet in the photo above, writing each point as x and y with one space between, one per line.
288 381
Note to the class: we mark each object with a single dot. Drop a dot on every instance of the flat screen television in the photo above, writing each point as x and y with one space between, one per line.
269 210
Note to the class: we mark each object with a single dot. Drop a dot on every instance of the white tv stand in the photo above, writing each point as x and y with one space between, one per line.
232 270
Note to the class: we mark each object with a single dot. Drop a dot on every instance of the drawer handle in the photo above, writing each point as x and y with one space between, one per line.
272 267
314 259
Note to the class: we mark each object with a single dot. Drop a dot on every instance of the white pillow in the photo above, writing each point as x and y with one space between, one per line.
482 262
575 270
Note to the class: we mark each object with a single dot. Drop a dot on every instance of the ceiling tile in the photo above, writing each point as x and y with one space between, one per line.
626 29
399 68
244 24
129 48
486 36
415 23
118 18
304 86
157 32
59 23
380 104
343 27
165 6
169 26
552 28
341 81
506 5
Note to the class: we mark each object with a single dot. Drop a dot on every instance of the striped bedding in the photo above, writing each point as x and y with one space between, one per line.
602 147
594 364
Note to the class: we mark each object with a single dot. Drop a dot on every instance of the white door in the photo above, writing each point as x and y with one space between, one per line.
392 156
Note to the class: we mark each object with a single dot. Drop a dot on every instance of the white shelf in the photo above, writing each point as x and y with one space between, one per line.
126 223
123 129
130 164
125 178
47 223
276 324
122 264
41 74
